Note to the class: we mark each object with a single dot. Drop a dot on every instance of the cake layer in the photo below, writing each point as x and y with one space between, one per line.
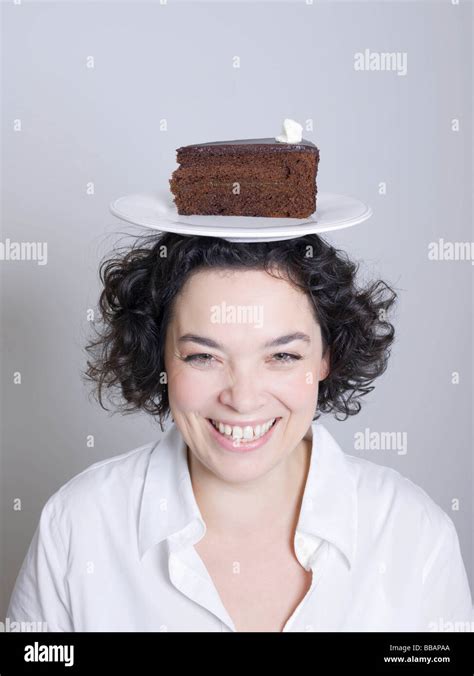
289 172
278 205
247 177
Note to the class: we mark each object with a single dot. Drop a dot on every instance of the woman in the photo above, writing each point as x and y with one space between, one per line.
246 516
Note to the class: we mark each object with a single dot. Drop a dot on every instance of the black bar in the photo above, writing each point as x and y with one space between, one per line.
309 652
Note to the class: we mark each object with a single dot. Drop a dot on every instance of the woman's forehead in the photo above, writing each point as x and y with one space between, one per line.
242 305
228 323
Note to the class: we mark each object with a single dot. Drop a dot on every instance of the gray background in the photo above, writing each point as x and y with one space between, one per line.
101 125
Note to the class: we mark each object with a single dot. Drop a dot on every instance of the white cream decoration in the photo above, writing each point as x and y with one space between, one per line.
292 132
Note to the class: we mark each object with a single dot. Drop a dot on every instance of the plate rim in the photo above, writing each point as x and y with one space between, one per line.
166 222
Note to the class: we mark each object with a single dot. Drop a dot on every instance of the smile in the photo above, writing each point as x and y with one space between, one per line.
244 432
242 438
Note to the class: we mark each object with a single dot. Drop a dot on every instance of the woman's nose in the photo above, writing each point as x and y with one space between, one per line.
243 392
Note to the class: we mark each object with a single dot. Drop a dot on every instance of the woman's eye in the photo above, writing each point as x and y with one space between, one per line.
205 359
286 357
198 358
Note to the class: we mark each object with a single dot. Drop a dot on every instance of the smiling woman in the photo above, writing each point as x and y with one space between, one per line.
245 515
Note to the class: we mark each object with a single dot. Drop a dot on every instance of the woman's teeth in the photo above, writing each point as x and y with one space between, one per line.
246 433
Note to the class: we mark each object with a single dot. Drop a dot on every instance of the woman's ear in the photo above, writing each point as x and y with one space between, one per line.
324 366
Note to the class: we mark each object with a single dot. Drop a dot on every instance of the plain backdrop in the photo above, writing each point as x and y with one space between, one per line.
98 127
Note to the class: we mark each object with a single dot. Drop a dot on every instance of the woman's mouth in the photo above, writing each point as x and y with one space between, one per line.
242 438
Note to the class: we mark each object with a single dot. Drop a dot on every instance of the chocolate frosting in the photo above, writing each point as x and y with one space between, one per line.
252 144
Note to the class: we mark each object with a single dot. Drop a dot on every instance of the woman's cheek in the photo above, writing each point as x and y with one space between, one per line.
189 388
297 389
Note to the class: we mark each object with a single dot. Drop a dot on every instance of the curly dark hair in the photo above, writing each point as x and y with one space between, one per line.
141 282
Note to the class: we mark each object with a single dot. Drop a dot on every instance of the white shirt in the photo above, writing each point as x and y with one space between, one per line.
114 551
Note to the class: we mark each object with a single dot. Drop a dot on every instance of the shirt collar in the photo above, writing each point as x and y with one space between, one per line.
169 509
168 506
329 505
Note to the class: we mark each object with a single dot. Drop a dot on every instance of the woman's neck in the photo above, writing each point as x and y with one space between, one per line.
269 505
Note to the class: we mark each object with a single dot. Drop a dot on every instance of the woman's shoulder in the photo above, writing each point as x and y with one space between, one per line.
105 483
410 537
383 494
389 499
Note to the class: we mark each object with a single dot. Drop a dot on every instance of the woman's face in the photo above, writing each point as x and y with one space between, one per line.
232 356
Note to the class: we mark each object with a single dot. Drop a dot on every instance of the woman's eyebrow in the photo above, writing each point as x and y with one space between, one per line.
275 342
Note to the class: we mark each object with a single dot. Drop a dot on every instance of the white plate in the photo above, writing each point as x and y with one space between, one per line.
159 212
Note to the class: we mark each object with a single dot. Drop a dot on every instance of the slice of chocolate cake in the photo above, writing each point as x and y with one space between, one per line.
248 177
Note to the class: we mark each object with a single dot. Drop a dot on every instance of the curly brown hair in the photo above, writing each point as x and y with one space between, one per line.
141 282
